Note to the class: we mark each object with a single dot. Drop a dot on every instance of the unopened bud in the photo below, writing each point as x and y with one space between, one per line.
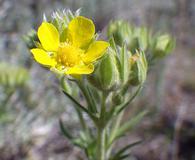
133 37
106 75
31 39
121 32
117 99
163 45
138 68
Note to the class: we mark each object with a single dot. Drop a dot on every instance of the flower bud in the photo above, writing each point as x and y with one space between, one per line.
124 69
117 99
163 45
121 32
138 68
140 39
106 74
30 39
11 76
21 76
61 18
134 37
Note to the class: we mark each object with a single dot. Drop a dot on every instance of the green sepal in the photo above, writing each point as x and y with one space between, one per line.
64 35
113 44
109 75
124 67
106 75
139 68
141 36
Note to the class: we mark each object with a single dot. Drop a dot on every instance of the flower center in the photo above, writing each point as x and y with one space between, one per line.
68 56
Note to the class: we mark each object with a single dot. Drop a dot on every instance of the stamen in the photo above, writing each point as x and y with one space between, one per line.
68 55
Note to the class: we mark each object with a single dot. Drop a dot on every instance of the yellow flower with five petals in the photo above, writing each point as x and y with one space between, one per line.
76 53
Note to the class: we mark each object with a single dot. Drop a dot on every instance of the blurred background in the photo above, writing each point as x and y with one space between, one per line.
31 101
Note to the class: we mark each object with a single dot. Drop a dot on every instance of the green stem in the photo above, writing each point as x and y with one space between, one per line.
103 107
116 125
101 144
82 121
101 150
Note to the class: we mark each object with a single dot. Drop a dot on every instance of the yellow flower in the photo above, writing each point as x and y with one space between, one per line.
74 55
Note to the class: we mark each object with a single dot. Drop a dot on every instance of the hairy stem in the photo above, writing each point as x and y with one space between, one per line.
101 144
101 149
116 125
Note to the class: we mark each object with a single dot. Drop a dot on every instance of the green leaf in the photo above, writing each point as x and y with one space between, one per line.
93 104
88 96
83 140
64 130
96 94
123 157
129 125
115 111
91 149
79 143
77 104
129 100
120 155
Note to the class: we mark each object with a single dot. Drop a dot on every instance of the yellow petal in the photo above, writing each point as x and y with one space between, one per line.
42 57
84 69
95 51
48 36
81 30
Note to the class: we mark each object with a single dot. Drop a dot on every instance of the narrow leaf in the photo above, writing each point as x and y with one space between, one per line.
89 100
76 103
123 157
120 155
64 130
93 104
130 124
124 149
130 100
